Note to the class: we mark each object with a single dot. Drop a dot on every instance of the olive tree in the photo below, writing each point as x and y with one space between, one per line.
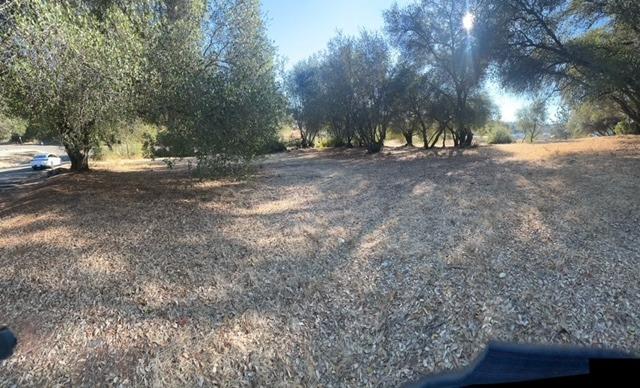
531 120
451 57
593 118
213 83
338 74
307 99
372 91
68 71
585 50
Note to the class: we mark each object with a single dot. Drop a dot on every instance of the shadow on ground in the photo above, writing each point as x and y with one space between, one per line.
328 268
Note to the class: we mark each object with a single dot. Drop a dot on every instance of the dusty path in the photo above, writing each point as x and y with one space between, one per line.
328 268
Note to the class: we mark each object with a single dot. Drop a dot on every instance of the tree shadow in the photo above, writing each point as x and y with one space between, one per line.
328 268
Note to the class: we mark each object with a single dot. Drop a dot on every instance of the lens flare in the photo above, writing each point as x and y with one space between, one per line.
468 21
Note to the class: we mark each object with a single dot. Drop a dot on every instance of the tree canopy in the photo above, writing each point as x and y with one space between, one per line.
205 70
68 71
586 50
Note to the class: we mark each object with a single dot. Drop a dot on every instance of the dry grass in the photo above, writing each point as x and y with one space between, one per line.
328 268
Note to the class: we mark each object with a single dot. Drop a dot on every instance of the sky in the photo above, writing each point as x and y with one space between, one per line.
301 28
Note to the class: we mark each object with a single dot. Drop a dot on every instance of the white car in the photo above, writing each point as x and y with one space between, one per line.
45 161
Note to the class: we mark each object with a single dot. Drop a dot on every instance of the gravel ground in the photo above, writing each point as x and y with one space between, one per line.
328 268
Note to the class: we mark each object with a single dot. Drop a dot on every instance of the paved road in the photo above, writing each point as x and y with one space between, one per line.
14 163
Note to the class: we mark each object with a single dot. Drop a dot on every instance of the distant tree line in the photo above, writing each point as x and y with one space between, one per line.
204 71
356 89
427 79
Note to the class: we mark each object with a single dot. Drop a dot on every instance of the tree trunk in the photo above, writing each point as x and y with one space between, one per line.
374 147
79 160
408 137
469 139
436 137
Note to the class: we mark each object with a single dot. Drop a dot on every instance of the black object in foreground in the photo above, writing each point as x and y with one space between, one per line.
532 365
7 343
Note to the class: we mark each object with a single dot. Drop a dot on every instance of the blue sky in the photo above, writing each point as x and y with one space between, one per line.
300 28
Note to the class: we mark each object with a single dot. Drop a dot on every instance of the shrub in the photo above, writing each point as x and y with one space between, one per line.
272 146
624 127
331 142
98 153
16 138
148 146
500 135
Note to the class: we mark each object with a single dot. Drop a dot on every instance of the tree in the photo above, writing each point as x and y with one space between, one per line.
68 71
356 74
593 118
585 50
11 126
409 103
450 58
498 132
372 92
307 99
220 95
531 119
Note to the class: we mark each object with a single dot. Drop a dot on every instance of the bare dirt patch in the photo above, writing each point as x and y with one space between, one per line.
327 268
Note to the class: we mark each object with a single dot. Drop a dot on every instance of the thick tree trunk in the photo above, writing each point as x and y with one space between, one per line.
467 139
408 137
374 147
79 160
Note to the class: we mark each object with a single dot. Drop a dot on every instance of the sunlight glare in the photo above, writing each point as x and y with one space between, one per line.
468 21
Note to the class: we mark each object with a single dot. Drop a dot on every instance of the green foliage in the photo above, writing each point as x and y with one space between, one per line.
499 134
16 138
587 49
347 90
148 146
222 104
531 119
69 72
450 61
596 118
80 71
625 127
273 146
307 98
11 126
331 142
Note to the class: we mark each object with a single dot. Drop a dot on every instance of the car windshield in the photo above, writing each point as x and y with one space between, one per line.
41 156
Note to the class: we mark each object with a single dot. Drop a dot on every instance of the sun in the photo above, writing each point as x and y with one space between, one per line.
468 21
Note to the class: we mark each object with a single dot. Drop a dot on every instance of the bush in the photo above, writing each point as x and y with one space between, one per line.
16 138
272 146
148 146
331 142
625 127
500 135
